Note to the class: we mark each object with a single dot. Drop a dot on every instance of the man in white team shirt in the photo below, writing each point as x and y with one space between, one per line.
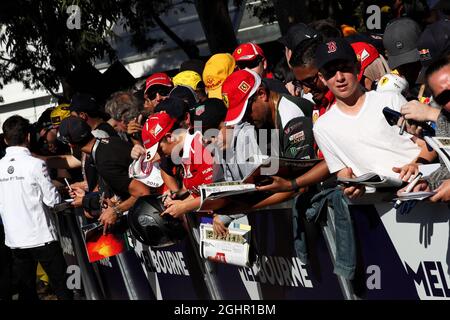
354 135
25 192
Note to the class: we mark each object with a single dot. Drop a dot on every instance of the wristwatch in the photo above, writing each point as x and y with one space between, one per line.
294 185
117 211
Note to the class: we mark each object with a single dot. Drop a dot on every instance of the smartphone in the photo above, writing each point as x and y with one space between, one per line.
391 116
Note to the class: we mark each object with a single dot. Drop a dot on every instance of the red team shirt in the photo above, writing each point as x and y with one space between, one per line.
197 163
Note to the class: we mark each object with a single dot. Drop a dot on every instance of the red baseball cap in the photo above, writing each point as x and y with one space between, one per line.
236 91
158 78
366 54
247 51
154 130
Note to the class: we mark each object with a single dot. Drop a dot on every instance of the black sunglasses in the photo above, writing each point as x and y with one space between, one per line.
331 70
443 98
310 82
164 91
249 64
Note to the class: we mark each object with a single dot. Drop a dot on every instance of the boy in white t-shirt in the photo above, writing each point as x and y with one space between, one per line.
354 136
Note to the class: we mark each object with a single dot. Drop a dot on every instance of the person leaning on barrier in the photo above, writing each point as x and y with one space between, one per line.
163 136
437 77
354 131
26 192
111 158
178 109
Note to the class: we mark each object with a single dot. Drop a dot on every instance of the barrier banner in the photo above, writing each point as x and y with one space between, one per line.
173 272
402 256
278 273
123 277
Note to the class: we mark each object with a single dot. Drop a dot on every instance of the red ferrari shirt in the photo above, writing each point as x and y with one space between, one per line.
197 163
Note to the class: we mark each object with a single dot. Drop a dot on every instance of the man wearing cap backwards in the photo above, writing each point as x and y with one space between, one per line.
157 88
25 194
353 135
111 157
162 135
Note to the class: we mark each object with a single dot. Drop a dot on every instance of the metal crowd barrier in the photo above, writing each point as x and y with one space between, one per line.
398 257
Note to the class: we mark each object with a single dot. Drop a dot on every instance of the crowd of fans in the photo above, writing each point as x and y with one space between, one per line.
206 124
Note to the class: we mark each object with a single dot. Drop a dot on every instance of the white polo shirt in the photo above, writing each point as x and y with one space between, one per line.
25 190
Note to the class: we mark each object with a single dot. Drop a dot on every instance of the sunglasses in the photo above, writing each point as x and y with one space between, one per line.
443 98
310 82
344 67
249 64
164 92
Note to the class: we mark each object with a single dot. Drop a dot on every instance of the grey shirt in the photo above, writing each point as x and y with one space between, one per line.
442 130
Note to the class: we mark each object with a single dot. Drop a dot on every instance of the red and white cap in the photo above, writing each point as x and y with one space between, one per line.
247 52
158 78
366 54
155 128
236 91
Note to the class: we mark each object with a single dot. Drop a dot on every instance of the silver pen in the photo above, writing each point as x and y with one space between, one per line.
410 186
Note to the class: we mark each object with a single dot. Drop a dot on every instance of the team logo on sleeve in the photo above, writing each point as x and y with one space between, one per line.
10 170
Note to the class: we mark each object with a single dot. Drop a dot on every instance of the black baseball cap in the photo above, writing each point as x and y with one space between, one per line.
83 102
185 93
174 107
334 49
400 41
74 130
296 34
208 114
434 42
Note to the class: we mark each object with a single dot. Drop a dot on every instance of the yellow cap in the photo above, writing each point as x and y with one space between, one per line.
187 78
59 114
216 70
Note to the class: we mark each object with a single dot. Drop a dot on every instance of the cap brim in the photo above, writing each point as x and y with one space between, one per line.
158 84
215 93
150 153
404 58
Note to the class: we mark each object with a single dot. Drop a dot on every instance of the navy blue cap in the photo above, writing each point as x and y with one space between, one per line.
334 49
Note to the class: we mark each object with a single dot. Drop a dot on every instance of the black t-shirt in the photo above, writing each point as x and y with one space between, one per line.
105 126
112 159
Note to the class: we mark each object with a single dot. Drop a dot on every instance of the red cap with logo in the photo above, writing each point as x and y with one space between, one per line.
366 54
236 91
154 130
247 51
158 78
